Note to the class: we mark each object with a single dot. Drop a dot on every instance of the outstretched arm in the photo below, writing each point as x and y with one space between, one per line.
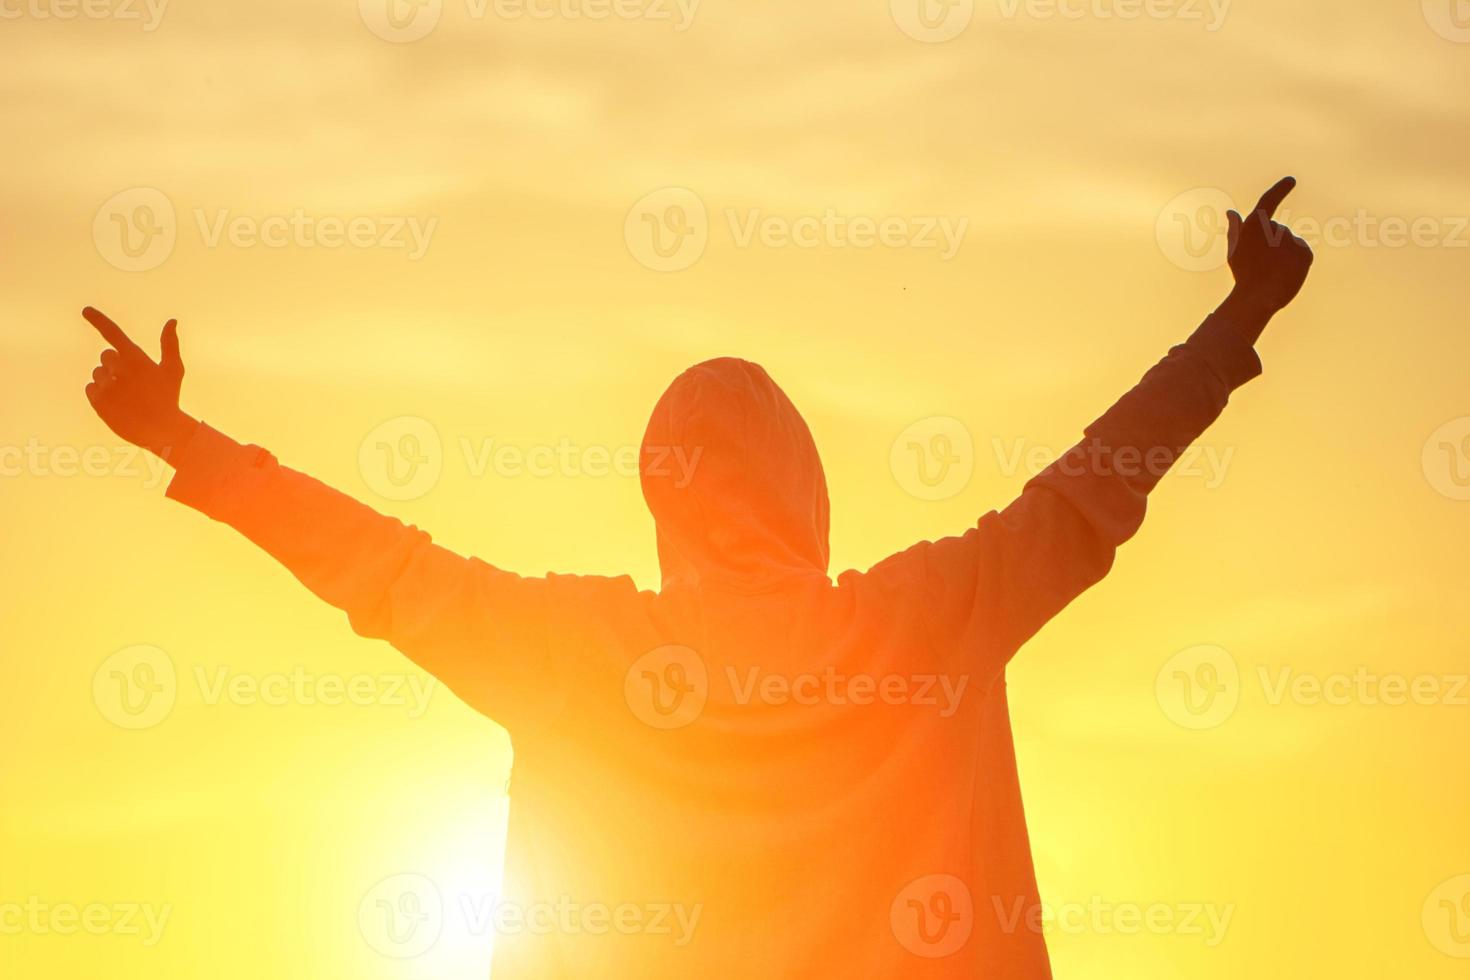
481 630
1002 580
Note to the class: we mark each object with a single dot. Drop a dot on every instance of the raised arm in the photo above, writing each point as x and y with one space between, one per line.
486 633
996 585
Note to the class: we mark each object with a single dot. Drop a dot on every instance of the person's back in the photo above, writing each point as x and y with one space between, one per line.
784 831
753 771
763 768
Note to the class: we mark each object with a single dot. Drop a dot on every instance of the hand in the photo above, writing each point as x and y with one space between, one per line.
1269 262
136 397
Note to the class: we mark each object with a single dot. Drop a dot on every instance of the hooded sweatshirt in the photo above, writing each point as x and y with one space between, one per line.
756 771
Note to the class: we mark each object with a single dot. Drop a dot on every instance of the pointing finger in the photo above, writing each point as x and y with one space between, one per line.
168 343
111 332
1271 200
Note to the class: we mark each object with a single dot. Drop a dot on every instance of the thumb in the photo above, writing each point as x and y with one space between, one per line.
168 343
1235 221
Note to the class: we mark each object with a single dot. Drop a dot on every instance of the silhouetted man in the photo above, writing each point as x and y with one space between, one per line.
753 771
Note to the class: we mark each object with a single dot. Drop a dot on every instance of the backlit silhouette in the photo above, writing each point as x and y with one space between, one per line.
760 771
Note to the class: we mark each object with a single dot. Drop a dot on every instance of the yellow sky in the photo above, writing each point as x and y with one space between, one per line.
1315 538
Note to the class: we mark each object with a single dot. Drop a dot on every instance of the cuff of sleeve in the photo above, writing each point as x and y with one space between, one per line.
1233 360
206 465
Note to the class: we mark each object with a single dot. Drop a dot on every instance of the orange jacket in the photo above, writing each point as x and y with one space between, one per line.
755 771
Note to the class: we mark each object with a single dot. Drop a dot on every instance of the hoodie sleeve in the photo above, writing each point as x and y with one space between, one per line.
485 633
989 590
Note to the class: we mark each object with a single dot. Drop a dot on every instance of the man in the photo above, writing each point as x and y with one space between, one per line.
754 771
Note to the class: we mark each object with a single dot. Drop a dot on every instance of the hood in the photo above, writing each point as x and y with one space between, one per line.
733 479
